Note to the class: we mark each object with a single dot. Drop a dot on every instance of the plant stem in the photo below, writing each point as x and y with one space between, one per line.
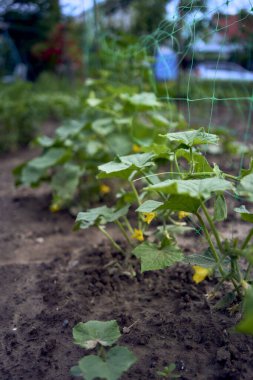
135 192
115 245
246 277
192 162
176 163
212 226
119 224
215 254
130 228
247 239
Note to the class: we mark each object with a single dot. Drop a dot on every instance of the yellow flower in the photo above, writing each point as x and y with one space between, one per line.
136 148
149 216
104 189
200 273
183 214
138 235
55 207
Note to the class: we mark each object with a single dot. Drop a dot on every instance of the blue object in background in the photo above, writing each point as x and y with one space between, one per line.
166 65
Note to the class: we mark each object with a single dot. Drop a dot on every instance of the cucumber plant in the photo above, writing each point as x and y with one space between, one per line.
196 191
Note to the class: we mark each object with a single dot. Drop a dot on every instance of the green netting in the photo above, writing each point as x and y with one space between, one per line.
223 27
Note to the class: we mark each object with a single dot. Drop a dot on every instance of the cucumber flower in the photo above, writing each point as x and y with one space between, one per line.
200 273
55 207
104 189
182 214
138 235
149 216
136 148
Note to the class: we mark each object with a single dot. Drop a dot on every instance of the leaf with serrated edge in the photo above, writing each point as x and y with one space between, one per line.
89 334
194 137
195 188
153 258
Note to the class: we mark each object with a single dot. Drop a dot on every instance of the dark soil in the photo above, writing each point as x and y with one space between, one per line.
52 278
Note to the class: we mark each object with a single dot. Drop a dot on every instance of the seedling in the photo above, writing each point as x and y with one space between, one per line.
169 372
108 363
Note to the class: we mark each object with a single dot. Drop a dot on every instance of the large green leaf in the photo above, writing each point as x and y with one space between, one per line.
191 138
153 258
66 180
245 214
246 324
50 158
195 188
118 360
89 334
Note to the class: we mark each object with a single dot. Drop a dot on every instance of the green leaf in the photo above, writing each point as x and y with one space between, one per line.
114 169
200 162
138 160
103 126
72 128
50 158
119 143
89 218
127 165
191 138
226 301
99 215
245 214
66 180
89 334
153 258
149 206
245 172
246 186
118 360
205 260
195 188
182 203
45 141
93 102
28 176
220 208
75 371
142 100
246 324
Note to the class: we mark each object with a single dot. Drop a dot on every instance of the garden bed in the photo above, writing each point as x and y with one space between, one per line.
52 278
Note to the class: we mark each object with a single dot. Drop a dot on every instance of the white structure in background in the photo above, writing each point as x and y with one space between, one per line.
120 18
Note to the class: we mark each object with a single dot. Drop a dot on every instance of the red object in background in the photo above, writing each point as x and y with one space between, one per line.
60 49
